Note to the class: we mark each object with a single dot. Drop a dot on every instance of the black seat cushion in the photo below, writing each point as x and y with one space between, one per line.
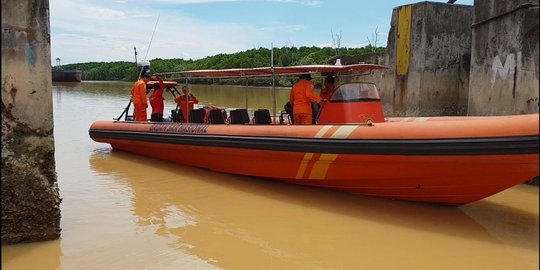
216 116
239 116
262 117
177 116
197 116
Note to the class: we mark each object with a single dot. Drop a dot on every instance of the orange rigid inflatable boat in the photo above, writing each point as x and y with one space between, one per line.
353 148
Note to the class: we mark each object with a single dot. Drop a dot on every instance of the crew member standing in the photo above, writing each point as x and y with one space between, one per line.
186 99
156 100
138 94
301 96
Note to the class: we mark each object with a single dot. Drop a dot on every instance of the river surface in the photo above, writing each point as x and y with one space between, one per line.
122 211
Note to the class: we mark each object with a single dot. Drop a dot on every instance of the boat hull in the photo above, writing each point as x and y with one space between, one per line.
433 160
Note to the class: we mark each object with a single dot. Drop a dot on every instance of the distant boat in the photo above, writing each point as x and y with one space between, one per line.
59 74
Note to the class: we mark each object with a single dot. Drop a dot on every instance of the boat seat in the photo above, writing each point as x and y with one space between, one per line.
177 116
288 108
262 117
197 116
245 115
289 111
239 116
236 117
217 116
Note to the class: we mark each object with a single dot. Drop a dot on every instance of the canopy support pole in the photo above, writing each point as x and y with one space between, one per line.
246 93
273 82
187 101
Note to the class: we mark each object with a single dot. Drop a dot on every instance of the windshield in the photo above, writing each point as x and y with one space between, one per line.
356 92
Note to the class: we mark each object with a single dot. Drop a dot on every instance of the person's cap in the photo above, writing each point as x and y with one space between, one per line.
306 76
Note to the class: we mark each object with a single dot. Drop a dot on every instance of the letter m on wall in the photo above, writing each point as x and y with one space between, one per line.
504 71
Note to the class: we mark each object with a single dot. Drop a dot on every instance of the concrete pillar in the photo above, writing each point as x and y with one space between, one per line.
30 197
428 51
504 59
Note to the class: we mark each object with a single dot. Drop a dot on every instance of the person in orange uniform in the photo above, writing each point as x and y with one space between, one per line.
156 100
329 87
181 100
301 96
138 94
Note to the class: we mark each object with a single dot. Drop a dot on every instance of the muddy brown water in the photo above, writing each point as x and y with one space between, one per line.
122 211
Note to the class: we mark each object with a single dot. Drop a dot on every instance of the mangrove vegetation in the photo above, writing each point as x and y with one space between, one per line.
285 56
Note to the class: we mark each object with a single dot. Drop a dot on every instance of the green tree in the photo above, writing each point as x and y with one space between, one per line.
285 56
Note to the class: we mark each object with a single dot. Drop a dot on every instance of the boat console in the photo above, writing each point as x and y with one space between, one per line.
353 103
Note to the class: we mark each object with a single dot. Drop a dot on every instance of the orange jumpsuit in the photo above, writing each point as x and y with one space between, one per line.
301 96
156 101
138 93
181 100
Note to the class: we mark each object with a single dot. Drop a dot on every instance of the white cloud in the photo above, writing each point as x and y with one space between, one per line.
100 30
80 34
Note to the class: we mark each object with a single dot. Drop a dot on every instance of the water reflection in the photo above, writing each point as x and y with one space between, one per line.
45 254
121 211
220 218
511 219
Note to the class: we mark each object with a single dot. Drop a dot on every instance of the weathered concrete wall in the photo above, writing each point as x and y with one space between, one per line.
504 60
428 52
30 197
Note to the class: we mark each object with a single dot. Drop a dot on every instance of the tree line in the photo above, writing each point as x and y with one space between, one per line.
285 56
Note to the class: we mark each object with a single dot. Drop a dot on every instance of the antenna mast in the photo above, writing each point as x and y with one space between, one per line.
135 50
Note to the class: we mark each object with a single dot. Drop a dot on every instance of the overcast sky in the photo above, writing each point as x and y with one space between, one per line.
103 30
